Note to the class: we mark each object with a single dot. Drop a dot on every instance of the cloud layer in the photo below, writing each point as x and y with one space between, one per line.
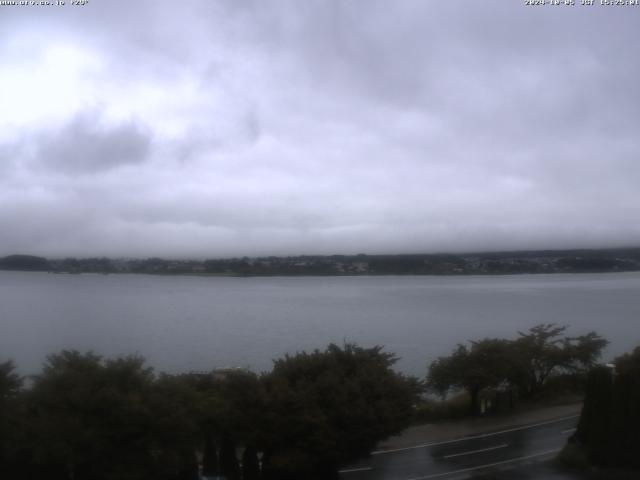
230 128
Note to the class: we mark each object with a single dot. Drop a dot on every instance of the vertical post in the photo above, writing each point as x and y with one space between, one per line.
218 443
260 454
199 457
239 454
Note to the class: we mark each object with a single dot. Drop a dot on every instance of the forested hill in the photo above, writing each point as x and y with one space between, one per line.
543 261
24 262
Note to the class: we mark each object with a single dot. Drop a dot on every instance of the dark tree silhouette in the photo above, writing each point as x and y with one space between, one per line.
609 427
328 407
485 364
542 352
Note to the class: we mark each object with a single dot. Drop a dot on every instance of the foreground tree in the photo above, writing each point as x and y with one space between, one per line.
10 381
328 407
231 413
176 429
10 417
486 363
524 364
542 352
625 420
90 418
609 428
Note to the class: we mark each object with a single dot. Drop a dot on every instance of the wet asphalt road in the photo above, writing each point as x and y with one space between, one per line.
503 454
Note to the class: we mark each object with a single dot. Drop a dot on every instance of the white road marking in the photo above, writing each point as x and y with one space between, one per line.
487 465
482 435
568 430
352 470
480 450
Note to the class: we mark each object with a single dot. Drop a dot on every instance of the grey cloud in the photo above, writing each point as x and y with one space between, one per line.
84 146
8 154
331 126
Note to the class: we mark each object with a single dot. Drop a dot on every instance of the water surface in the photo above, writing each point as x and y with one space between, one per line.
195 323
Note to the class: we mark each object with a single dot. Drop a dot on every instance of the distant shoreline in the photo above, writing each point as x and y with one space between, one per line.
328 275
488 263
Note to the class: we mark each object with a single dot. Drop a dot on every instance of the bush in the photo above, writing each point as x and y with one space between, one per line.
429 410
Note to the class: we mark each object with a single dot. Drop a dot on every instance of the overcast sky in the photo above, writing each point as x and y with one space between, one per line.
212 128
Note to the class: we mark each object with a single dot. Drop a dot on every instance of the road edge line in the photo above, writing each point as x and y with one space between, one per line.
472 437
488 465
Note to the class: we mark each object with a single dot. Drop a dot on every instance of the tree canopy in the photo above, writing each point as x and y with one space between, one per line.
524 364
10 381
482 365
332 406
85 416
609 427
542 351
10 385
89 417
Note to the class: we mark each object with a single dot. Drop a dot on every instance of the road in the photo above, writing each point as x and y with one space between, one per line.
498 451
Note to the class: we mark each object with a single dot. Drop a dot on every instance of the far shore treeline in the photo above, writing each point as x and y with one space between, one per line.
543 261
88 417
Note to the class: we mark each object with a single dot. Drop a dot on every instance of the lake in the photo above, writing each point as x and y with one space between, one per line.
182 323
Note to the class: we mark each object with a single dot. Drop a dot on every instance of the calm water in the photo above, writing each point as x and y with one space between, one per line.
196 323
